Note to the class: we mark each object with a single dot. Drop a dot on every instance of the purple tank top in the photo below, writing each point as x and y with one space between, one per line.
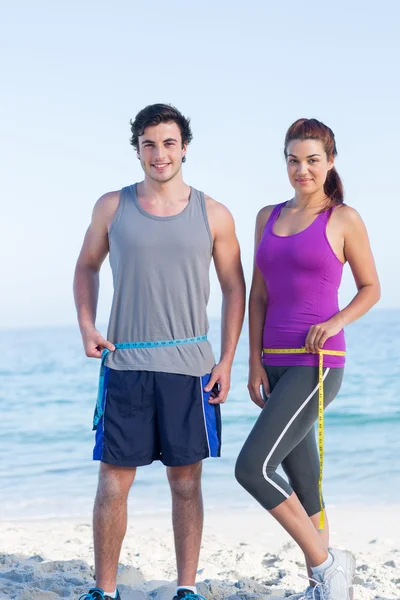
302 276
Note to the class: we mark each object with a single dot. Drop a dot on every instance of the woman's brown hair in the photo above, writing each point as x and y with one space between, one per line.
311 129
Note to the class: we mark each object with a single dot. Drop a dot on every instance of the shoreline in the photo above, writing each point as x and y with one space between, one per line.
246 558
136 509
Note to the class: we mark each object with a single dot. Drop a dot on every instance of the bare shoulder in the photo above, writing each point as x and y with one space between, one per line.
105 208
217 210
347 217
107 202
265 212
262 217
220 219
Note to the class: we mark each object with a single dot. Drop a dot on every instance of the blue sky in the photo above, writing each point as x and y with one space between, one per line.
73 76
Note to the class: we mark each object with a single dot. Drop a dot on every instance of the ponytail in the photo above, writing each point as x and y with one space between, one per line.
333 187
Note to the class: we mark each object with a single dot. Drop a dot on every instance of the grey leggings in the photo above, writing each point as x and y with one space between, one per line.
284 434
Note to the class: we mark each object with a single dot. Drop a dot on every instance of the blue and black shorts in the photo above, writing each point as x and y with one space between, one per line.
156 416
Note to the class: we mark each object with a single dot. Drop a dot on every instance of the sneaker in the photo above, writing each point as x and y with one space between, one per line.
97 594
187 595
336 582
311 593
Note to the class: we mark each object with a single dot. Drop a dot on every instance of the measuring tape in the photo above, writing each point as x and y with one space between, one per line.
321 354
98 413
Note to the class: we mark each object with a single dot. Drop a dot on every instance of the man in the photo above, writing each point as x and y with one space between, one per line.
160 390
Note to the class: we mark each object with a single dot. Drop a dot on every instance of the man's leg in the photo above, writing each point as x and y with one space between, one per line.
109 521
187 519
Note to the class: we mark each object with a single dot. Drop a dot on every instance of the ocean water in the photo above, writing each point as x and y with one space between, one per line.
48 391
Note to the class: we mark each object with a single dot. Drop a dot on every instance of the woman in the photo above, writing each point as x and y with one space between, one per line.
300 249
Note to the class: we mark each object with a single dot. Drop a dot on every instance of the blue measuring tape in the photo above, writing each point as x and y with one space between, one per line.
98 413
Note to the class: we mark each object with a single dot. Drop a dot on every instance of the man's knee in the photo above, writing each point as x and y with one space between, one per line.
114 483
185 481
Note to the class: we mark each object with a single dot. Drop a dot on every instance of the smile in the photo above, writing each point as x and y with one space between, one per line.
161 165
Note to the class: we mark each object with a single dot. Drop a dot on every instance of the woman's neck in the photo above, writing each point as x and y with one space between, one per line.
308 201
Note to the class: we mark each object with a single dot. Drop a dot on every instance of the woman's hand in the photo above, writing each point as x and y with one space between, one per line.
320 332
258 379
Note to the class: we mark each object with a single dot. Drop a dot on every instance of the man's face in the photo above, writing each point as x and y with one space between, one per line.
160 151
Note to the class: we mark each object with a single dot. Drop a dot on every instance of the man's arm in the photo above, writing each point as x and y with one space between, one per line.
226 254
86 280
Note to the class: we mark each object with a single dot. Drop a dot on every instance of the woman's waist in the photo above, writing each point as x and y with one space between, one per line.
298 318
282 336
279 339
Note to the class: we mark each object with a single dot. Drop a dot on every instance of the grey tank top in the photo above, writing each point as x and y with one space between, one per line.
160 268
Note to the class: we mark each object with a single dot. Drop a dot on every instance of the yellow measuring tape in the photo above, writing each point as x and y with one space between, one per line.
320 411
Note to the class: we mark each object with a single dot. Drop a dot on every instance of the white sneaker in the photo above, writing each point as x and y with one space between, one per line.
311 593
336 582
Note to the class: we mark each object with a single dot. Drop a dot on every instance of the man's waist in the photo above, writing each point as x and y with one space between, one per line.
160 343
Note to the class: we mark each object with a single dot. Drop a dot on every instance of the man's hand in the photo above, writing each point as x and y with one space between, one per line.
219 384
94 343
258 379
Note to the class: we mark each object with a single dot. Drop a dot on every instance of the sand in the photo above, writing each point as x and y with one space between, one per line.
245 556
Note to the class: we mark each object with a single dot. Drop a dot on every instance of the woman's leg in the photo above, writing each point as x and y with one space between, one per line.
287 417
302 469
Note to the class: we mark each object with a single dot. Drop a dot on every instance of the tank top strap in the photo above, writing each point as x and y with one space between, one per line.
197 211
130 199
197 202
276 211
125 197
326 215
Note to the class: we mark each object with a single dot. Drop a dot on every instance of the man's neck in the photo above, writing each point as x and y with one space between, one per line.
163 200
169 192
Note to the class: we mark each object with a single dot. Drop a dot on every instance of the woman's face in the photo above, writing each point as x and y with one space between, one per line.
307 165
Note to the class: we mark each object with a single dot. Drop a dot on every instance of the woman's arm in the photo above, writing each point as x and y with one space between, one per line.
257 309
358 253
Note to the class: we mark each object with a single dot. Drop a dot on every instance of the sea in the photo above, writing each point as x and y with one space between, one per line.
48 391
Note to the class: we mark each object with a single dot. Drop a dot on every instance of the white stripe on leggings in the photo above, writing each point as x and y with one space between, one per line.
264 468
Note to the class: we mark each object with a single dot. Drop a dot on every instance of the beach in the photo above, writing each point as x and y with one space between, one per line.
245 555
268 120
48 480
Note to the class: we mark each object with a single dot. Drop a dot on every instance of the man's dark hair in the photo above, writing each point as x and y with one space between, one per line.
154 114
